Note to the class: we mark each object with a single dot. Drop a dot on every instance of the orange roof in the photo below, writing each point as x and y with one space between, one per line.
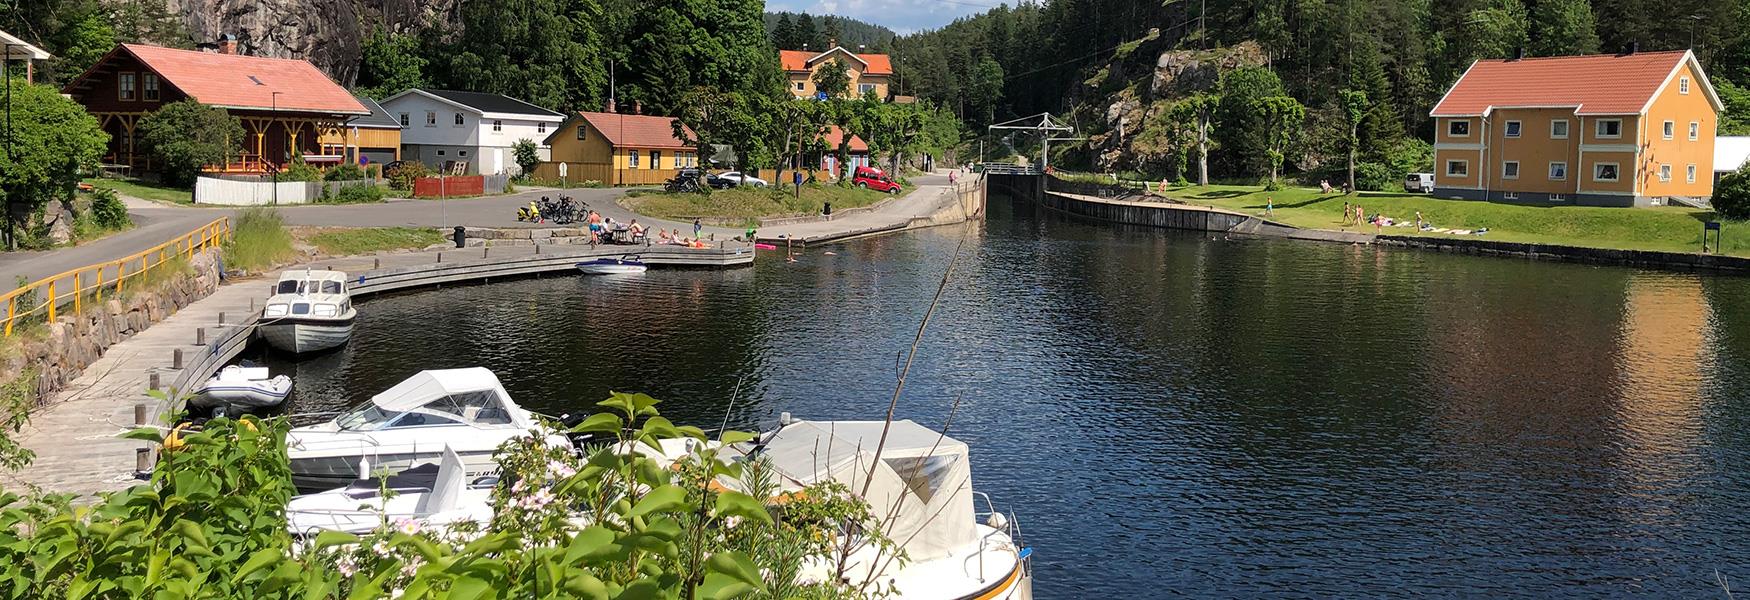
637 131
1600 84
833 135
803 60
245 82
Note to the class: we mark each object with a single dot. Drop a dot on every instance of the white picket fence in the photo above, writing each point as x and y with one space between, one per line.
231 192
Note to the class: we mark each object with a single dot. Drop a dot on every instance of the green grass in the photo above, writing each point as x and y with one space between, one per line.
366 240
259 241
1671 229
146 190
750 203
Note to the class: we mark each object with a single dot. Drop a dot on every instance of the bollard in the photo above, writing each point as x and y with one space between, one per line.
200 336
139 415
376 263
251 305
176 358
537 248
484 250
152 382
440 257
221 317
142 460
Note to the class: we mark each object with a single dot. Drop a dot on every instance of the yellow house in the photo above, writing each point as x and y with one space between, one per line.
866 72
617 149
376 137
1631 129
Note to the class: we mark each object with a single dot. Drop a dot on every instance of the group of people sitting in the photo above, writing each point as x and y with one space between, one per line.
674 237
605 229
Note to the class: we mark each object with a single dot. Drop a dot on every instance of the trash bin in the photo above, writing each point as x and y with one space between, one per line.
461 236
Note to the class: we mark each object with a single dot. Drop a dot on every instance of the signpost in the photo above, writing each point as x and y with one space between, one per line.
1713 226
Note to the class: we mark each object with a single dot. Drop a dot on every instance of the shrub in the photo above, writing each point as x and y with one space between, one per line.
259 241
354 194
401 177
300 171
345 172
1375 176
107 210
1732 195
186 136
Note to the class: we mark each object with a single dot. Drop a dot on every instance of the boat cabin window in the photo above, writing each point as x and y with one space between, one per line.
301 308
288 286
366 417
480 407
330 287
422 419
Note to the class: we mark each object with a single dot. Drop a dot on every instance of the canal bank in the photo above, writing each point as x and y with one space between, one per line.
74 431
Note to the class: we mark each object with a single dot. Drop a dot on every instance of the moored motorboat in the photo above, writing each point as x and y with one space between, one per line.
432 495
612 266
309 311
243 386
410 424
921 492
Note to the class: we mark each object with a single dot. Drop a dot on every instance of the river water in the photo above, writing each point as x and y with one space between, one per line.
1174 415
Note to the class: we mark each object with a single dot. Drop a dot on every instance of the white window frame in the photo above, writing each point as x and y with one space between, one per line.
1683 85
404 120
1504 174
440 153
460 120
1552 129
1598 129
1694 130
865 88
1509 195
497 125
1513 129
1451 162
1617 167
631 159
1455 122
125 83
541 127
582 132
1670 130
431 118
1689 173
1665 172
1552 170
1557 198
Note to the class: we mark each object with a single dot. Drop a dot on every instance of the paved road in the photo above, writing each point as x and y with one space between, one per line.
153 224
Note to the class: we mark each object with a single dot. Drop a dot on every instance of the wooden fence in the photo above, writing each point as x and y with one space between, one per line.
45 296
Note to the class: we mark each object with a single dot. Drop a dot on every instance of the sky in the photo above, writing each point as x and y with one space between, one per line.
902 16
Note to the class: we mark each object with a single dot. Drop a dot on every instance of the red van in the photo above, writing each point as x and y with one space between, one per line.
874 179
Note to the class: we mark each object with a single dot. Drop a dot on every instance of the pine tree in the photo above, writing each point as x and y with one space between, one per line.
1563 27
807 35
832 33
784 35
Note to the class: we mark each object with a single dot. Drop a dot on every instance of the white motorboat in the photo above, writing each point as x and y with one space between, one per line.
309 311
922 493
611 266
433 495
409 425
243 386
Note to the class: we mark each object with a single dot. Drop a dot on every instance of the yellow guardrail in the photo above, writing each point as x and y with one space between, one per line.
46 295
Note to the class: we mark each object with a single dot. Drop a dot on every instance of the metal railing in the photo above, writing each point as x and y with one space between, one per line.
46 295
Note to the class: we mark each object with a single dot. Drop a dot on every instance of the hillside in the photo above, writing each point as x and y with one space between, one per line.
850 32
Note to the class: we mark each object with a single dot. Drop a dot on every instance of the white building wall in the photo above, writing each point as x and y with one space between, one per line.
444 132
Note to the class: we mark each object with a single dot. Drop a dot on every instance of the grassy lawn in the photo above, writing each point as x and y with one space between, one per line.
749 203
342 241
1671 229
146 190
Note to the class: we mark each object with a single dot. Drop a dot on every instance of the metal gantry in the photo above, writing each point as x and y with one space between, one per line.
1044 125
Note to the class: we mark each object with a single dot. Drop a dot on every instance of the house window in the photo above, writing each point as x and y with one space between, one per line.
1557 198
430 118
1664 172
462 153
1694 130
440 153
1458 168
799 86
1458 128
1683 85
541 127
1512 129
1558 171
1670 129
1604 171
1689 174
1608 128
151 88
655 159
497 125
582 131
864 89
1510 169
403 119
1558 129
1509 195
632 159
458 119
124 86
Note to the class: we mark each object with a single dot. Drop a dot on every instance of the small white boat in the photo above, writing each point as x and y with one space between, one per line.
921 492
611 266
434 496
309 311
409 425
243 386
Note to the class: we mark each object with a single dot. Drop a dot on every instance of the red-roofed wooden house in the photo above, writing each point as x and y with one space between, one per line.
857 152
1628 129
285 104
617 149
867 72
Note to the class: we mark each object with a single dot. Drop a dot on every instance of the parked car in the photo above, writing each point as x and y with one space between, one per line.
1420 183
875 179
729 179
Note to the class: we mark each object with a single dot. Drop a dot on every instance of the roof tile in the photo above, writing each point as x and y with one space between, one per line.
1595 84
636 131
249 82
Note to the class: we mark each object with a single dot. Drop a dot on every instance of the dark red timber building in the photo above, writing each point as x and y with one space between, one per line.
284 104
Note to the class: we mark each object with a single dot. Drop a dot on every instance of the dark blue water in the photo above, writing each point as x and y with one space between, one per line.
1171 415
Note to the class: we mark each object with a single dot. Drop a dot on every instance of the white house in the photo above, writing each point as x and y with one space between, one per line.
469 132
1730 153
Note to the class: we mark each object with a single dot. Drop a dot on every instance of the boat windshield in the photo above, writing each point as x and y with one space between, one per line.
366 417
308 286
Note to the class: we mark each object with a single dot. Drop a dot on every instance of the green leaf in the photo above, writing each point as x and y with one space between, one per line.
662 499
735 437
469 588
192 532
588 542
643 589
732 503
718 586
329 539
149 434
737 565
585 586
263 558
601 423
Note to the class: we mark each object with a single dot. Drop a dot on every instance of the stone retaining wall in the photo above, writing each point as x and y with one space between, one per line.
1636 258
72 342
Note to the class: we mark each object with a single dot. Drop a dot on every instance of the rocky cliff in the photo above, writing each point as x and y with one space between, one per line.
1128 133
328 33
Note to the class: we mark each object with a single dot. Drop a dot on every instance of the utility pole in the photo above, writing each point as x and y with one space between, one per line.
274 110
6 62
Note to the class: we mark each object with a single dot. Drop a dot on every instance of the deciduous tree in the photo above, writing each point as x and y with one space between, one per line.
187 135
53 139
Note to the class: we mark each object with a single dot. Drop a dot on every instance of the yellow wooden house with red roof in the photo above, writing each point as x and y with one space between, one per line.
866 72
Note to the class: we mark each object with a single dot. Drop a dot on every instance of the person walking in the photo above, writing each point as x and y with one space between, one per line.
826 210
1348 213
1269 206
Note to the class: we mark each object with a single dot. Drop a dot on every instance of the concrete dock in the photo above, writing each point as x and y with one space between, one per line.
75 434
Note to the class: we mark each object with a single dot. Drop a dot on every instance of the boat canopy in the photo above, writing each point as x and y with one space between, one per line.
923 481
311 281
472 396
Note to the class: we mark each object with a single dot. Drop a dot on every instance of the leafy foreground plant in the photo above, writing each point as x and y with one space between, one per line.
616 525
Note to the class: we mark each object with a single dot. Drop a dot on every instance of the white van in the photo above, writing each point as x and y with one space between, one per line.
1420 183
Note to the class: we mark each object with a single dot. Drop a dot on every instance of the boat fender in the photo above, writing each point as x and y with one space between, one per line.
997 521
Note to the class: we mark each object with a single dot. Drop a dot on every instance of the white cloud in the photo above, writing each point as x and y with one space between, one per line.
902 16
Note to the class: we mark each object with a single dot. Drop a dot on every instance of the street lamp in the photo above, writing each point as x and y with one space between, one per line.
273 100
6 65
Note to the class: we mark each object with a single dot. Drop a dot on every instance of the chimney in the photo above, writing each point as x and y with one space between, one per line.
227 44
832 43
1519 53
638 108
1632 47
610 107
